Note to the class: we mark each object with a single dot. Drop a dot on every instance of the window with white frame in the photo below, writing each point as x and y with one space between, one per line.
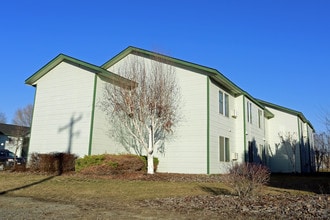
259 118
224 149
223 103
249 111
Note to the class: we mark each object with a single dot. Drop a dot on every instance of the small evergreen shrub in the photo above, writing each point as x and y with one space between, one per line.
109 164
246 179
88 161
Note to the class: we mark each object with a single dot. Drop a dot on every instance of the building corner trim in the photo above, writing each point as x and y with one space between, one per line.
92 117
244 130
208 126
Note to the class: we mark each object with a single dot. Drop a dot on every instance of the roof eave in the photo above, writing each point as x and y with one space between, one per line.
287 110
213 73
57 60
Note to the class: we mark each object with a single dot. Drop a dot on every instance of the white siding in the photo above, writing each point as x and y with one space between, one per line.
238 147
102 140
221 125
62 111
186 152
306 139
310 146
254 134
63 115
287 125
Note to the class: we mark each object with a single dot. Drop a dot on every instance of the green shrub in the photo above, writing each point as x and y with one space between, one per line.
108 164
247 178
87 161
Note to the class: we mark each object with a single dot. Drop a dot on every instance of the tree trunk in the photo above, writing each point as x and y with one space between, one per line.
150 157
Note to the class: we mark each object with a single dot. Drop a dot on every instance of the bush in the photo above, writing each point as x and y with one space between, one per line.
107 164
88 161
247 178
52 162
34 162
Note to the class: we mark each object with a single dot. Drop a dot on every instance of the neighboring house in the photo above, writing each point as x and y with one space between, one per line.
14 137
222 123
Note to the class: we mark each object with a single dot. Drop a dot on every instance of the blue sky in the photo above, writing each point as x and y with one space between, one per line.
277 50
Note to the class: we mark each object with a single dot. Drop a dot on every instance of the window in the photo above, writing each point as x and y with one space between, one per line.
259 117
224 151
249 112
223 104
226 105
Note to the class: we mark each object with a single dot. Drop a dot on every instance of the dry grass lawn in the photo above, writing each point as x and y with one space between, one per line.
94 197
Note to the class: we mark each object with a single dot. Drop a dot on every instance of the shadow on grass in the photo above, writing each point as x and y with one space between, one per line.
317 182
27 186
215 190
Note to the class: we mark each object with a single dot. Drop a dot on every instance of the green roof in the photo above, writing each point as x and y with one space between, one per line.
212 73
107 75
79 63
287 110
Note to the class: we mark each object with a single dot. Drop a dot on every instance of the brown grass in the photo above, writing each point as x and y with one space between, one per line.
75 188
121 194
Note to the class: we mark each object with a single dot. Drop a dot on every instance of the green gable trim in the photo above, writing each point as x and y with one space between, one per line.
208 126
212 73
92 118
287 110
81 64
268 114
57 60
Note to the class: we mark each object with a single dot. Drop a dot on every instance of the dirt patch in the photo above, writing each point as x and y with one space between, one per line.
193 207
217 204
231 207
28 208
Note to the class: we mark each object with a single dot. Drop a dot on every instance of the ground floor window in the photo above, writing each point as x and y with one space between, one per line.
224 150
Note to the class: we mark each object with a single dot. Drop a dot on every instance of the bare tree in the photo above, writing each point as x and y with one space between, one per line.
22 120
23 116
321 149
3 118
20 134
326 139
145 116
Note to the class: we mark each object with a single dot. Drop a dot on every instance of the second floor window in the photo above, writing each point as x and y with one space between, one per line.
223 104
249 112
259 117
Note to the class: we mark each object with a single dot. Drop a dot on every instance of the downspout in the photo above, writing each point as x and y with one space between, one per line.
92 117
244 129
208 126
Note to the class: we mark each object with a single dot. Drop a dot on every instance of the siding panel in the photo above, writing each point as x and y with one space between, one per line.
186 152
62 112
